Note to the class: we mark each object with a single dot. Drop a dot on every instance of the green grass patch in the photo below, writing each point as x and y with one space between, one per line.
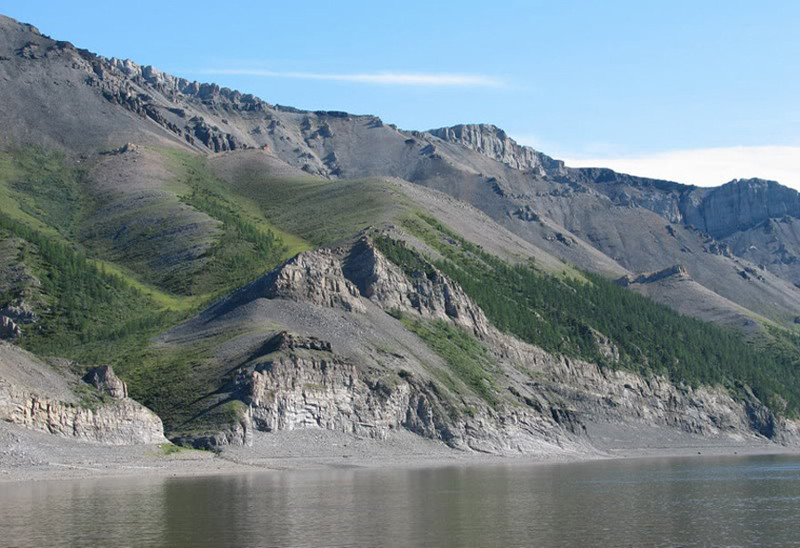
464 355
170 449
196 174
324 212
41 189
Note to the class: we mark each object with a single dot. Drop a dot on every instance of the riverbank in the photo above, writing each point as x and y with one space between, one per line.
27 455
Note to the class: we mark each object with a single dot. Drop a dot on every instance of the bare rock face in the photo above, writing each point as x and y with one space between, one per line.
616 396
315 277
123 422
303 384
741 204
650 277
21 313
343 278
320 391
38 396
431 295
103 378
9 330
493 142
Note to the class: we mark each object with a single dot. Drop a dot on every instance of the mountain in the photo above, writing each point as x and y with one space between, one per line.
249 268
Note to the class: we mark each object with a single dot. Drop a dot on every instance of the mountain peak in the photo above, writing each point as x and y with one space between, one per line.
8 22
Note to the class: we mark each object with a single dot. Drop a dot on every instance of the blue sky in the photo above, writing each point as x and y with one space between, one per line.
655 83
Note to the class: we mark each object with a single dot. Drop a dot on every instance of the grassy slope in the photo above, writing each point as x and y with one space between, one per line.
97 311
194 171
325 212
41 190
112 314
563 315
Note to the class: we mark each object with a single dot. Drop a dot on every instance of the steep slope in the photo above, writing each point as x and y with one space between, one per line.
346 340
593 218
403 280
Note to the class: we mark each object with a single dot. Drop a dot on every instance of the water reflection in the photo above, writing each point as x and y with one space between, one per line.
727 501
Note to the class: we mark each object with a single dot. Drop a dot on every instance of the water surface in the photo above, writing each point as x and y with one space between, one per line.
726 501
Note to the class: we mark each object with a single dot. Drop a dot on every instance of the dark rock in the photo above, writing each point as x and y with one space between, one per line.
103 378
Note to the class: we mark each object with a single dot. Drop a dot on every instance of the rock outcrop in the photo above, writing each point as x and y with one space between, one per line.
315 277
103 378
650 277
541 402
429 294
9 330
38 396
601 395
121 422
494 143
303 384
739 205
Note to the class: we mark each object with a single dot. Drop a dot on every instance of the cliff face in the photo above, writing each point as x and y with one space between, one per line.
303 384
120 422
307 386
598 395
37 396
431 295
494 143
539 402
740 205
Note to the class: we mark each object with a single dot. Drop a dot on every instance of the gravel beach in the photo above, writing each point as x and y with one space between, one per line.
33 456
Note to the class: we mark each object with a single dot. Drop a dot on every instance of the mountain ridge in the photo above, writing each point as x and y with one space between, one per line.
249 267
335 145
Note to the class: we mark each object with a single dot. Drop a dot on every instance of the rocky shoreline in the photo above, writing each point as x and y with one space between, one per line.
34 456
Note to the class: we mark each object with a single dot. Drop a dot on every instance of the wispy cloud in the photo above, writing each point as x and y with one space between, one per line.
381 78
708 166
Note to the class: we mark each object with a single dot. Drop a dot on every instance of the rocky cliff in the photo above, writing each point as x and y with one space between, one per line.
599 395
38 396
429 294
739 205
494 143
650 277
538 402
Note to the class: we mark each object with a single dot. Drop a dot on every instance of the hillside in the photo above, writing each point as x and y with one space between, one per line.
251 268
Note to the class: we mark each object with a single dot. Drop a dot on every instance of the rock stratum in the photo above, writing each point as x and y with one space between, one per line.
36 395
327 379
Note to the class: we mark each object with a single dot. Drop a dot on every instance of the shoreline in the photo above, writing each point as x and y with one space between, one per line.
35 457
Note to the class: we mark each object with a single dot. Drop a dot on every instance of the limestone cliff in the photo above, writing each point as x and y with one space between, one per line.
650 277
494 143
430 294
596 394
38 396
539 402
740 205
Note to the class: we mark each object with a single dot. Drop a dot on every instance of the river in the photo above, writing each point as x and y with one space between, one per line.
702 501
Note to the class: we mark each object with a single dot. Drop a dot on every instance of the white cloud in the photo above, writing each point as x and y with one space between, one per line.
708 166
385 78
